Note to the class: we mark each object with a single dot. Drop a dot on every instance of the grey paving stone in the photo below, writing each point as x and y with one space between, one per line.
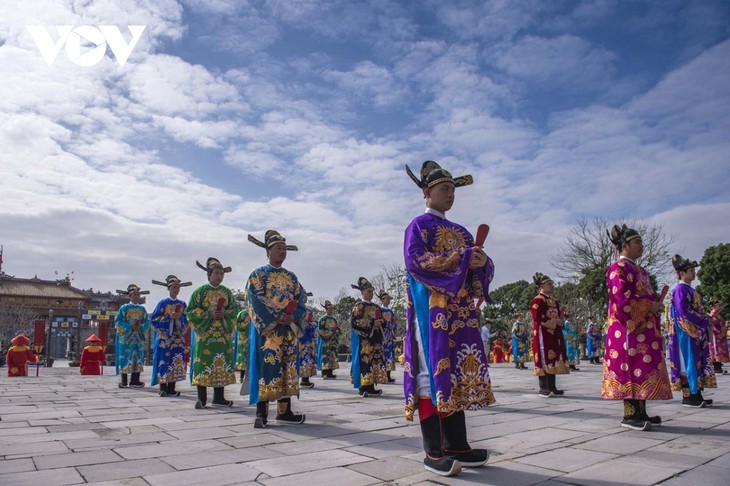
323 477
17 465
389 468
219 475
55 477
123 482
623 443
124 470
186 461
284 466
567 459
169 449
704 475
53 461
619 471
31 449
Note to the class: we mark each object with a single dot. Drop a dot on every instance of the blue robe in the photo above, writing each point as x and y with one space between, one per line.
168 362
130 343
273 372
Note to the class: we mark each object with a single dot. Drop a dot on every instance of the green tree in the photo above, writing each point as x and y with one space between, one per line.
714 274
509 300
343 308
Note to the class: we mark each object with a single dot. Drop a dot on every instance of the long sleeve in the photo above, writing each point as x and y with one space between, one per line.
688 311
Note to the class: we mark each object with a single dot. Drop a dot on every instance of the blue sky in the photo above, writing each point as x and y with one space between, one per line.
233 117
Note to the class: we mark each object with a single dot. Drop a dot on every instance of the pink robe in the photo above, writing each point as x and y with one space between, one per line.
633 366
719 339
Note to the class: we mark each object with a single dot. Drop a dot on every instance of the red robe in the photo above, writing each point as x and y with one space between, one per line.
548 345
498 353
91 358
17 359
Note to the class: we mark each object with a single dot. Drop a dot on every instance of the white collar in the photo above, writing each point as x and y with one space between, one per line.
435 213
626 258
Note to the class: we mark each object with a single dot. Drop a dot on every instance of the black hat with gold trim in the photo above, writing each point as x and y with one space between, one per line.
328 304
171 280
681 264
271 238
540 279
362 284
432 174
132 288
383 295
622 234
211 264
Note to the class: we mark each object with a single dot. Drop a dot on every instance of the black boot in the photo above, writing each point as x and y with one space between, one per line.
390 380
123 383
219 399
163 390
305 383
436 460
522 366
262 415
632 416
455 443
242 375
373 392
553 388
171 392
202 397
284 413
544 387
134 382
572 367
655 420
517 365
707 401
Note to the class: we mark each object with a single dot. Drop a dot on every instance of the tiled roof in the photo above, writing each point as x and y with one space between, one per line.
35 287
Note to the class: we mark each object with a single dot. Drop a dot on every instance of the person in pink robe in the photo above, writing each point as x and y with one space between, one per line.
719 338
633 366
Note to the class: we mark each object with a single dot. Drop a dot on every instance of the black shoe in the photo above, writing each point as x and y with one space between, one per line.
162 393
545 393
391 380
375 393
307 384
224 403
122 385
139 384
636 424
199 405
173 394
364 394
558 392
259 423
693 401
472 458
443 466
572 367
290 418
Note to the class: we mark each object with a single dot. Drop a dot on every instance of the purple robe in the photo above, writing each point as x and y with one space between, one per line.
633 366
440 296
689 341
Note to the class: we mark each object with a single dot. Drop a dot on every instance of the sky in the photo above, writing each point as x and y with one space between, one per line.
234 117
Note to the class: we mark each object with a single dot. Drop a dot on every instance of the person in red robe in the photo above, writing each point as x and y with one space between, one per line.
498 352
19 355
548 345
92 357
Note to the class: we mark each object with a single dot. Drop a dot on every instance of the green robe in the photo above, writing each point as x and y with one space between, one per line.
329 338
242 330
212 360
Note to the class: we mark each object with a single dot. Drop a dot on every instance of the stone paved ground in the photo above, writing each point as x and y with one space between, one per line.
61 428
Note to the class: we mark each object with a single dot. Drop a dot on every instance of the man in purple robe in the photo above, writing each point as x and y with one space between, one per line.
445 363
689 343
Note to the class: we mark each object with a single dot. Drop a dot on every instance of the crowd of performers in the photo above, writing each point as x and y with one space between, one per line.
271 342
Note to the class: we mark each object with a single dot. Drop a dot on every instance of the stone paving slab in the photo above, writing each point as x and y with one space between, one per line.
61 428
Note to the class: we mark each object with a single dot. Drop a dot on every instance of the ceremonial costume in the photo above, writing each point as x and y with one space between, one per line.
212 312
389 334
719 339
276 307
594 340
571 336
446 370
18 356
520 344
170 324
242 344
368 367
633 365
308 348
131 324
498 352
92 357
328 338
689 341
548 345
